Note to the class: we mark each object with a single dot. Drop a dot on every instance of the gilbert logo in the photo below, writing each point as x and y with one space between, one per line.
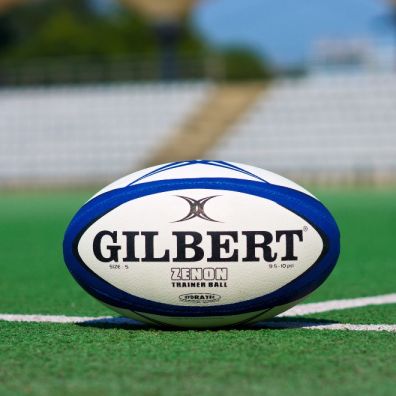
197 209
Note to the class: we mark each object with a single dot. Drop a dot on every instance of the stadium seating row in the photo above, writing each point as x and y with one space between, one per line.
85 134
319 124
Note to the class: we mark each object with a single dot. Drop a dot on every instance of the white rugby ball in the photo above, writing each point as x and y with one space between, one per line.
201 244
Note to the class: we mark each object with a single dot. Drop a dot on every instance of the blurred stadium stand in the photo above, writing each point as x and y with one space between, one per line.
87 134
320 128
222 108
75 119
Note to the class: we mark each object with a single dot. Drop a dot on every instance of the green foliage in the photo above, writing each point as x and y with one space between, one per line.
191 42
23 23
73 29
64 30
243 64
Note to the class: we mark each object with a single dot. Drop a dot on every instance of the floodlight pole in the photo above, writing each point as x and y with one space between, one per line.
166 17
168 36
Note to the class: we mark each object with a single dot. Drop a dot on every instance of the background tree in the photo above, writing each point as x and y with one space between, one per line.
75 28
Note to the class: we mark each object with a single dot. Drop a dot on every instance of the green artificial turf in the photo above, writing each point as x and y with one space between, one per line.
56 359
74 360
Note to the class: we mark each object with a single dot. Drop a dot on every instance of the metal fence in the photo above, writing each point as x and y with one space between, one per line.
85 70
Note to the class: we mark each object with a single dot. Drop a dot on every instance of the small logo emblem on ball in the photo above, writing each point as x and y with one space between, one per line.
197 209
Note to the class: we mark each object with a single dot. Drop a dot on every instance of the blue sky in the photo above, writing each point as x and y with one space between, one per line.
284 30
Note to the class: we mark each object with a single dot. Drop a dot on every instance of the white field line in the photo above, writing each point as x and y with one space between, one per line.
299 310
51 318
336 305
328 326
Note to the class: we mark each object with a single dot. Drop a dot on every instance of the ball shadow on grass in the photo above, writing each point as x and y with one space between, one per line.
275 324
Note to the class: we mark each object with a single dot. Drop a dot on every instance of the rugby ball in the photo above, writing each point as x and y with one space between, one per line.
201 244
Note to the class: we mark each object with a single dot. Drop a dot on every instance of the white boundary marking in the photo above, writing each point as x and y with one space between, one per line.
51 318
336 305
303 309
329 326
